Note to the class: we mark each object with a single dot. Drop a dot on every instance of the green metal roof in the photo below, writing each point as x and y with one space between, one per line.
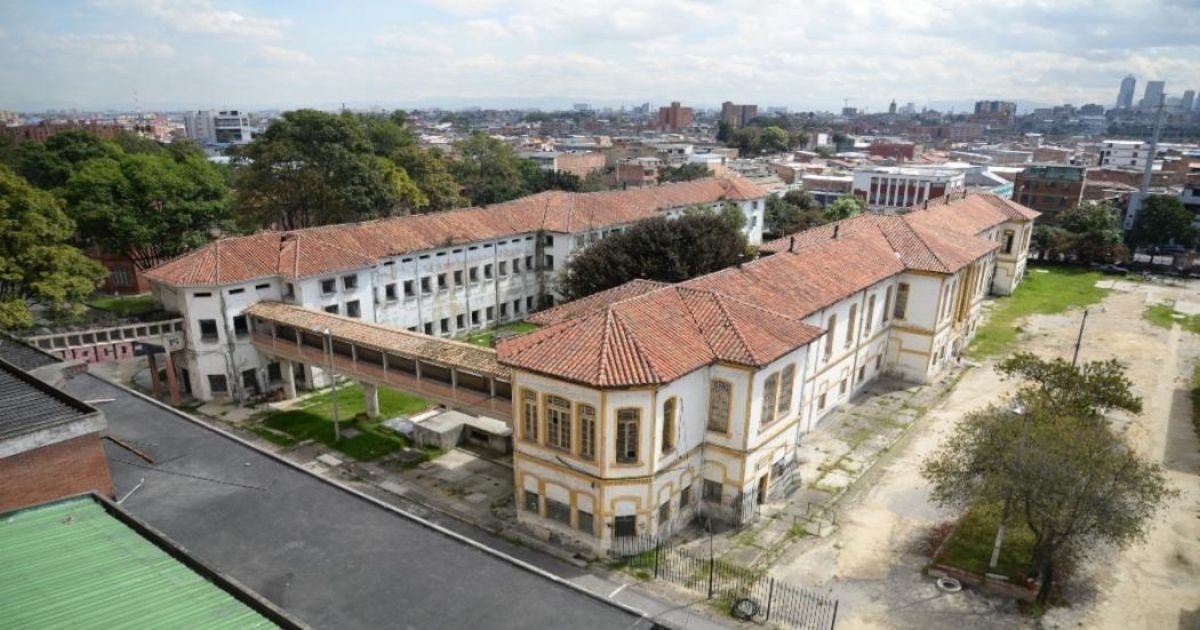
71 564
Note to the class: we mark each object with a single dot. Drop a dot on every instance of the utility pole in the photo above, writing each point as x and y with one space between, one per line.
1135 204
1079 339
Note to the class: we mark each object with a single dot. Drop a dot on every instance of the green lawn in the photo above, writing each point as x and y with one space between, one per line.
125 305
313 419
1164 315
970 546
1045 290
484 337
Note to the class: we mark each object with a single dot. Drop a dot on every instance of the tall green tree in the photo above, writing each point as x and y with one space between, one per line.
1162 219
668 250
790 213
38 266
1095 232
843 208
1070 477
313 168
682 173
488 169
148 205
430 172
774 140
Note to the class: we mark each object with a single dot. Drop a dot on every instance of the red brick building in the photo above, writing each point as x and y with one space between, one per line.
49 443
900 151
45 130
1050 188
674 117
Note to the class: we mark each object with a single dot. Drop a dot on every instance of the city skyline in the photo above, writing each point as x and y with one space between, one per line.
195 54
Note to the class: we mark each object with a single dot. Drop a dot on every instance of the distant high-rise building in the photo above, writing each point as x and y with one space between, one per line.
582 107
674 117
892 107
737 115
1125 96
1153 96
209 127
995 107
1188 101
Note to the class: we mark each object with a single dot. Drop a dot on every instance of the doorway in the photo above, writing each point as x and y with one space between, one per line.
763 483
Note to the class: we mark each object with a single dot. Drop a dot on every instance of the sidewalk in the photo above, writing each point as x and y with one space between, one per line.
832 458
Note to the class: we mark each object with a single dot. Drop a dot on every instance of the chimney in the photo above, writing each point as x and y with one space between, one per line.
792 245
836 227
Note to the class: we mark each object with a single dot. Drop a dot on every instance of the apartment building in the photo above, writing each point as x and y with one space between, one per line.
1125 154
890 188
738 116
674 117
1050 188
442 274
640 409
217 127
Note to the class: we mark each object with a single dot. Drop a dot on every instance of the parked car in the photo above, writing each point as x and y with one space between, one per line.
1113 270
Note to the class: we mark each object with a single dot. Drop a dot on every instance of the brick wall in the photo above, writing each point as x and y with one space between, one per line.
51 472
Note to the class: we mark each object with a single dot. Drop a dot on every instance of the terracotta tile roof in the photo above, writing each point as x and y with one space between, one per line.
657 337
594 302
385 338
326 249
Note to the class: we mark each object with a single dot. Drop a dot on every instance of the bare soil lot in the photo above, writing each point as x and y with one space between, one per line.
873 561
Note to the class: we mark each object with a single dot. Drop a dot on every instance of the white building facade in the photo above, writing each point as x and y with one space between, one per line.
217 127
443 275
890 188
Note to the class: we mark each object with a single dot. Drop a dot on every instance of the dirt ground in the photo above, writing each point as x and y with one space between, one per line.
872 562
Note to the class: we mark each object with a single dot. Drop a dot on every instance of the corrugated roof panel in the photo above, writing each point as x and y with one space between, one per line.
71 564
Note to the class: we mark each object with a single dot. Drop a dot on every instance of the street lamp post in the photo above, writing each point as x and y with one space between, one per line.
337 426
1019 410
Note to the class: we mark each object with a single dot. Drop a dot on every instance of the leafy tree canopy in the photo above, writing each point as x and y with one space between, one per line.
37 263
843 208
668 250
793 212
488 169
683 173
1162 219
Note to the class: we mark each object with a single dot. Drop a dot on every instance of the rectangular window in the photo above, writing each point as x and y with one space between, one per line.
241 327
460 321
458 278
487 272
587 432
628 421
770 391
236 291
475 318
558 422
821 402
664 513
503 270
1009 236
530 419
668 427
870 318
408 289
473 274
217 384
429 328
491 313
531 503
549 262
887 304
862 373
901 301
353 309
289 290
685 497
787 382
208 330
389 292
830 335
205 294
712 491
427 285
720 400
350 282
558 511
442 286
586 522
332 308
529 303
444 325
878 362
842 387
328 286
504 309
625 525
529 263
850 323
516 265
516 307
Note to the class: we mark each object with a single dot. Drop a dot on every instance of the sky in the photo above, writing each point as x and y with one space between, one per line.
803 54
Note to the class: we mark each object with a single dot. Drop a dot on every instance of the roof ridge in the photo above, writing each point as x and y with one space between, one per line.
733 325
642 357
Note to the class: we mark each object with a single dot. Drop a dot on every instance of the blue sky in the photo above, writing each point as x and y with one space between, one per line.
806 54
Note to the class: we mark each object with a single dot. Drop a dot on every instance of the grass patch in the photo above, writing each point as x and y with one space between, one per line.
1164 315
484 337
970 546
313 420
125 305
274 437
1044 291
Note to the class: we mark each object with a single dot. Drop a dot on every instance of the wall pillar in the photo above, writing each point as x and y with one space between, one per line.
288 373
155 381
172 381
371 398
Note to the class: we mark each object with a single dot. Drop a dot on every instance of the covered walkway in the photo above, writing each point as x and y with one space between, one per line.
455 374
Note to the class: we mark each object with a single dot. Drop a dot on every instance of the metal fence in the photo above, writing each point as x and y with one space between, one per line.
746 593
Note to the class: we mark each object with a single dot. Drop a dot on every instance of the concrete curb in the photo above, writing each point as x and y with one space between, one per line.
391 508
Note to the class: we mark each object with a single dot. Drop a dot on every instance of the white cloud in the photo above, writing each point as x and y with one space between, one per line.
280 55
200 16
103 47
